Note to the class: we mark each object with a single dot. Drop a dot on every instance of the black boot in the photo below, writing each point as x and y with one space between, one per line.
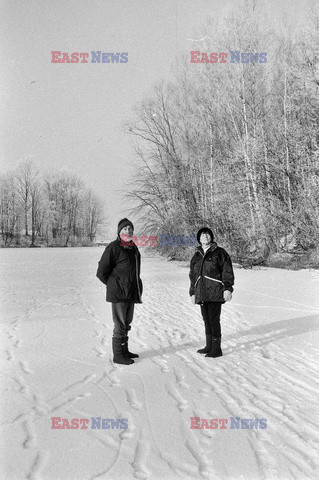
127 353
119 352
208 347
216 351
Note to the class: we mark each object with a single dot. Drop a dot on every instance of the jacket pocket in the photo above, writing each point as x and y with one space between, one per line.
110 282
124 288
118 289
214 289
111 289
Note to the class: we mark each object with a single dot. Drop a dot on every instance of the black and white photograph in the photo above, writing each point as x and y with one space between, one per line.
159 239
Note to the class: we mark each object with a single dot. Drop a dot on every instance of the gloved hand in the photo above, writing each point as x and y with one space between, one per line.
193 299
227 296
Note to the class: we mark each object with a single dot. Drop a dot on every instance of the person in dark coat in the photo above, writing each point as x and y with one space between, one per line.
212 279
119 269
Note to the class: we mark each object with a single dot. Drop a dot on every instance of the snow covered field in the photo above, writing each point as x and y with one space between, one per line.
56 333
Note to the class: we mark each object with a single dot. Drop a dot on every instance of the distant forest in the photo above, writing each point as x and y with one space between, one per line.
235 145
50 210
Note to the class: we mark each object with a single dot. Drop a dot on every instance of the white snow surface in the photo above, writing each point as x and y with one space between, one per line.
56 361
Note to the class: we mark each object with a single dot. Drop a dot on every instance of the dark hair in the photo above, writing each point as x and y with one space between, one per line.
205 230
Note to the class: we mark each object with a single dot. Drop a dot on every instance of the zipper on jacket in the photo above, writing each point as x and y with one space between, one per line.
214 279
202 264
138 286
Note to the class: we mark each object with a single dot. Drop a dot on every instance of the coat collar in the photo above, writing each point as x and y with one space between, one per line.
130 245
211 249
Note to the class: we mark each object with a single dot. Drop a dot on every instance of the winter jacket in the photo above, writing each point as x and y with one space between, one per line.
119 269
211 273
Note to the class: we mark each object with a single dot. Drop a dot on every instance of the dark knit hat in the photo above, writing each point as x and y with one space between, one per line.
205 230
124 223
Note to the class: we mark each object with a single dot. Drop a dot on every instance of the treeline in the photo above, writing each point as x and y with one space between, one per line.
51 209
236 145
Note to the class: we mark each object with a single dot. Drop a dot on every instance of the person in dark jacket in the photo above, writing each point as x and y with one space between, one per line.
212 279
119 269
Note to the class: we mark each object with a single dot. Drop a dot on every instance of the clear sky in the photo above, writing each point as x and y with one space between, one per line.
71 115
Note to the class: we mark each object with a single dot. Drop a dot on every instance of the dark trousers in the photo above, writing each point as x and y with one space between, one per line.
211 315
122 317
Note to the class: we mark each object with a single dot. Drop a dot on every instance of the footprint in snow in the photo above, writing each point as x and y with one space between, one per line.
141 455
9 355
100 352
30 439
114 379
204 392
23 387
71 401
127 432
24 367
266 353
132 399
162 364
39 462
203 463
185 358
206 431
180 378
182 404
41 407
